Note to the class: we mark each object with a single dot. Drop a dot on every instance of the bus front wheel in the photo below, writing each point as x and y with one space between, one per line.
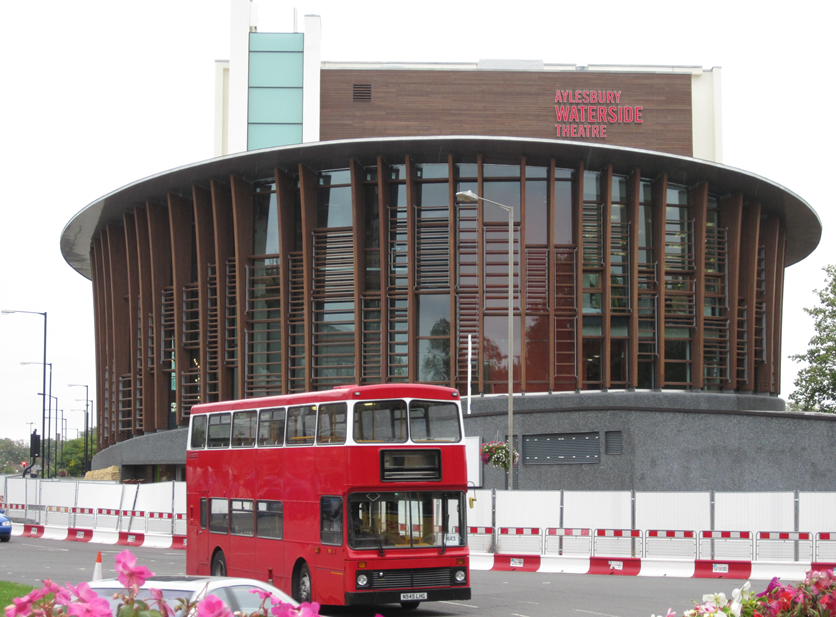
410 605
219 564
302 589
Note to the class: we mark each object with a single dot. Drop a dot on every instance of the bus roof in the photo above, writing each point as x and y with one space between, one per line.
339 393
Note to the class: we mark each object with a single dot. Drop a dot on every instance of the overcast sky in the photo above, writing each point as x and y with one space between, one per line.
96 95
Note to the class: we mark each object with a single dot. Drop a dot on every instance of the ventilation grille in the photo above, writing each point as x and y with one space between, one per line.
561 449
612 442
362 92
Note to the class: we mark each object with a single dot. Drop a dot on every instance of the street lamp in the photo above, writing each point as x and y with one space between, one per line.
43 411
86 416
472 198
45 455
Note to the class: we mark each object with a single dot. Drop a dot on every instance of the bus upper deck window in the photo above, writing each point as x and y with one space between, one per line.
301 425
198 438
380 421
332 423
243 429
434 421
271 427
219 426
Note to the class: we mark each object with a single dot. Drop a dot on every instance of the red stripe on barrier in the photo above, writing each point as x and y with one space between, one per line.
516 563
74 534
178 542
707 568
818 566
33 531
625 566
127 538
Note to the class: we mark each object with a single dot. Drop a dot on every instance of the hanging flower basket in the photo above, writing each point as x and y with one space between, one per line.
497 453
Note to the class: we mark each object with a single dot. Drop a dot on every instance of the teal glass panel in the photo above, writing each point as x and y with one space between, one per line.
269 41
275 69
272 135
276 105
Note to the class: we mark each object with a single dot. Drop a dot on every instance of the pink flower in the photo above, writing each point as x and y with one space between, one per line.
23 606
164 608
212 606
130 575
83 592
263 595
97 607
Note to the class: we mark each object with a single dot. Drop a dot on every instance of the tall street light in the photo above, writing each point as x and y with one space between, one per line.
43 411
471 197
86 416
45 454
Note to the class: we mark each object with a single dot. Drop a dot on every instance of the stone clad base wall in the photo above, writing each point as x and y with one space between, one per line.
671 441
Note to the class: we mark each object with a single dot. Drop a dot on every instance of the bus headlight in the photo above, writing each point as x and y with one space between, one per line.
362 580
460 576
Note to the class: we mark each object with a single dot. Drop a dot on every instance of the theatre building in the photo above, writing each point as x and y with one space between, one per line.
647 286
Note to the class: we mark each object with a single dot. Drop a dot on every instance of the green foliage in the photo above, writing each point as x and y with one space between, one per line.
816 382
74 455
12 453
10 591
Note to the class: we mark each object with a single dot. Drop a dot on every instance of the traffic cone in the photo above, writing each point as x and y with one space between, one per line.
97 570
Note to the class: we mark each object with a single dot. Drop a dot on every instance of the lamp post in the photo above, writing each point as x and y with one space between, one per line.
43 410
471 197
47 428
86 416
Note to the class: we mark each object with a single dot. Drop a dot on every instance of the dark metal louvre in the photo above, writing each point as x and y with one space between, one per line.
561 449
612 442
410 579
362 92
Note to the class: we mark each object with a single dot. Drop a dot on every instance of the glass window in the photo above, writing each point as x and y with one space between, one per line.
331 517
204 512
271 427
501 171
506 193
218 515
219 427
434 358
562 212
592 326
198 439
380 521
432 170
466 170
433 201
332 423
243 429
434 421
246 600
242 522
269 522
592 350
334 176
380 421
619 189
434 315
265 224
301 425
677 195
592 186
536 211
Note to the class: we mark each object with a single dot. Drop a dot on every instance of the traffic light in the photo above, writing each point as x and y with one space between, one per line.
34 445
23 463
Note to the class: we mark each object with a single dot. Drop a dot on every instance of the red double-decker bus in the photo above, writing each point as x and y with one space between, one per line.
354 495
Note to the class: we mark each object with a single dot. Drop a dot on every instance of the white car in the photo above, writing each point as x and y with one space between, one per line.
235 592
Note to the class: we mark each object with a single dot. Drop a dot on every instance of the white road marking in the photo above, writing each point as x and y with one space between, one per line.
457 603
577 610
48 548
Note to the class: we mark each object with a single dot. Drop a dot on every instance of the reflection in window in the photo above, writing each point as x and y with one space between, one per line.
243 429
301 425
332 423
269 519
380 421
198 438
242 522
219 427
218 515
495 353
331 518
434 338
265 224
434 421
271 427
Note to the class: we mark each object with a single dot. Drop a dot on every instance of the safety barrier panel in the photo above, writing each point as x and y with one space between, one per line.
132 521
107 518
560 541
84 518
784 546
57 516
825 546
726 545
160 522
519 541
670 543
179 524
480 539
617 543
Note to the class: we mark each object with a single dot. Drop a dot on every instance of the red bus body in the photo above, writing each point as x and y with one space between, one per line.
335 503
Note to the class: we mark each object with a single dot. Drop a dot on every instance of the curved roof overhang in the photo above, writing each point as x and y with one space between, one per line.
801 221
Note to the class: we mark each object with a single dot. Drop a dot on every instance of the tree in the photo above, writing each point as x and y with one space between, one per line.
12 453
816 382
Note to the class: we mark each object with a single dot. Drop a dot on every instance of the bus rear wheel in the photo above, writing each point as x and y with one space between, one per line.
410 605
219 564
302 589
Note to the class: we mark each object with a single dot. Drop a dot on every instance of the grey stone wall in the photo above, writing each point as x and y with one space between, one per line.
672 441
163 448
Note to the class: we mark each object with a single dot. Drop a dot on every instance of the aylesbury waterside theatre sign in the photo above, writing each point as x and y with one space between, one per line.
587 113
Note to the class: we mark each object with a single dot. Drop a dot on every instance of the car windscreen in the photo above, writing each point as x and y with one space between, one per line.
172 597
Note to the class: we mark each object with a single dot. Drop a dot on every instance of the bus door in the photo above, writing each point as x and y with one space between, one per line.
329 579
201 548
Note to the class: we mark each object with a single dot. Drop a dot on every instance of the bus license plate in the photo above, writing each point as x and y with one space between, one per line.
405 597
